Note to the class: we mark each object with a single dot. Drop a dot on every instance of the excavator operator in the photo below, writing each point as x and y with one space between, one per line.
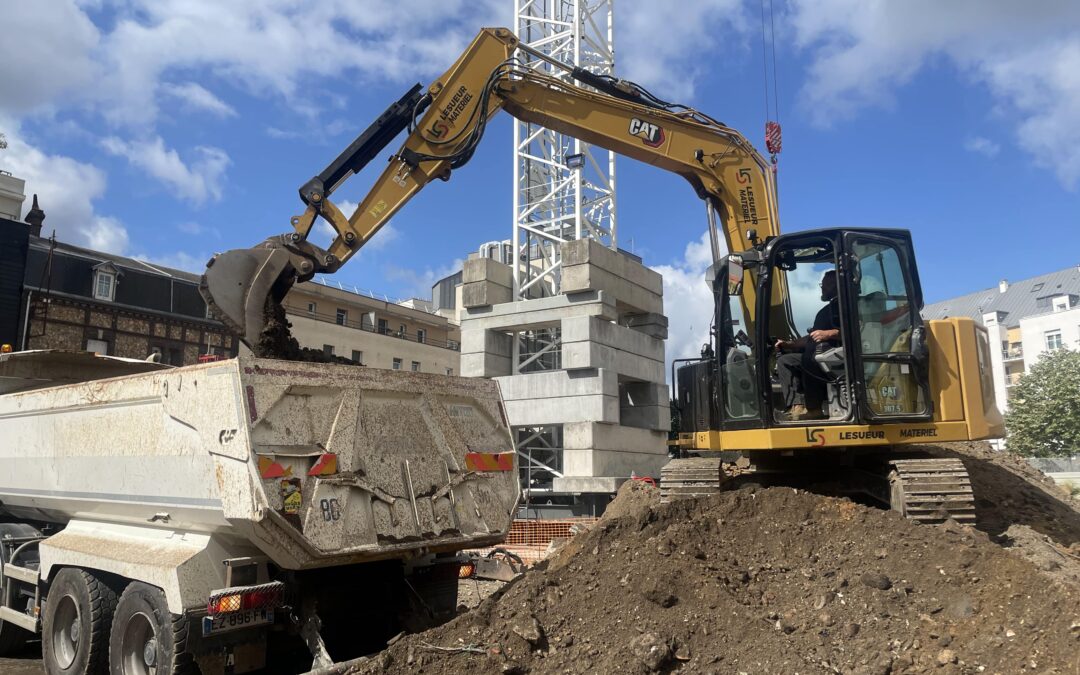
801 379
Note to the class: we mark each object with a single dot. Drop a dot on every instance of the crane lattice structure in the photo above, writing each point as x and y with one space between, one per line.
564 188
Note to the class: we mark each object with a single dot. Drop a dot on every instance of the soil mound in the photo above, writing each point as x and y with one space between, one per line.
762 581
276 340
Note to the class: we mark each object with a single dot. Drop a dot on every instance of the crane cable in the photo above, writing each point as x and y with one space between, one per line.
773 140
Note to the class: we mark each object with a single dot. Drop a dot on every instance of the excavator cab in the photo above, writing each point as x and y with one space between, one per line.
888 382
876 372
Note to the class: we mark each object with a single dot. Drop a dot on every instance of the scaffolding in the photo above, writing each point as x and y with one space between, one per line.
564 188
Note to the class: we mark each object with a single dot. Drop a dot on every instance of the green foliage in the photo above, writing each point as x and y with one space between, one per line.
1044 407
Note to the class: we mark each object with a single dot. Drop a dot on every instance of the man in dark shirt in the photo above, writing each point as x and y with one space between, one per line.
802 380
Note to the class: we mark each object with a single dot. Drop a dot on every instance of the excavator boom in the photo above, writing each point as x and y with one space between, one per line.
721 165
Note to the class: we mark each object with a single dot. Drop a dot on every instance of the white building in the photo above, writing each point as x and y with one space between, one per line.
1026 318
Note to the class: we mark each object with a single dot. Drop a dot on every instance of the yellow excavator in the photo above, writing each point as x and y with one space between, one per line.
886 380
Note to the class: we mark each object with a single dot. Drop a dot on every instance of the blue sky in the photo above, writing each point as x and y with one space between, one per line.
170 129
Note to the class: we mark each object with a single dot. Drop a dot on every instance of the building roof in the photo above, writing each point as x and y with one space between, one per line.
1020 300
117 260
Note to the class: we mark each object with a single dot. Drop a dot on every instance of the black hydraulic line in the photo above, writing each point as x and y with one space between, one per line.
367 145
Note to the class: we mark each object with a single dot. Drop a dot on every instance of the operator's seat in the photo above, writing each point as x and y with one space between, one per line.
833 366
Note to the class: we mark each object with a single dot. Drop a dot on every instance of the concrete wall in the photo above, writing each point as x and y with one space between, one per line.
1034 329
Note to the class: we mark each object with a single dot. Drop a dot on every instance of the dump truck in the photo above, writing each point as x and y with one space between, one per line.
221 516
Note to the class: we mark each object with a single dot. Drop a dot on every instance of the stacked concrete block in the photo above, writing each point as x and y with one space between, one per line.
486 282
560 397
645 405
590 342
590 266
610 396
485 353
597 457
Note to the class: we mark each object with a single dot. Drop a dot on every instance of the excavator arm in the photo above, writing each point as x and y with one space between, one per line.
447 122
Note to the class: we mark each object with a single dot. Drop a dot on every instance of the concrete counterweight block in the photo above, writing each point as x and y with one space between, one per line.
590 266
486 282
645 405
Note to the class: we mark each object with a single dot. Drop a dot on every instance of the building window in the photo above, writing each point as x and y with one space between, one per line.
104 285
1053 340
401 331
383 328
449 371
342 317
416 366
357 356
1061 303
328 350
397 364
312 308
421 335
97 346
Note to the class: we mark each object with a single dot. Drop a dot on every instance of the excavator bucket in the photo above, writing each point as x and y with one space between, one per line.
237 285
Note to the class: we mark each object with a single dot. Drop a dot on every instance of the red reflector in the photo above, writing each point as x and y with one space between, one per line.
485 461
264 596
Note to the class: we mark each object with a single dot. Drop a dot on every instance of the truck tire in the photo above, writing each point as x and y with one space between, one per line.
75 633
146 638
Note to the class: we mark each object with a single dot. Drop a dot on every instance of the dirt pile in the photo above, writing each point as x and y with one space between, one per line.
276 340
762 581
1021 508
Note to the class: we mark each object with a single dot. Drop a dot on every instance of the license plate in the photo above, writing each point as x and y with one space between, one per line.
223 623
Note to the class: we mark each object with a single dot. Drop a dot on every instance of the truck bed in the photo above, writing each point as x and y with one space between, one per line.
312 464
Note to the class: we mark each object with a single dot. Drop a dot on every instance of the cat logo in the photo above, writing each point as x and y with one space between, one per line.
650 134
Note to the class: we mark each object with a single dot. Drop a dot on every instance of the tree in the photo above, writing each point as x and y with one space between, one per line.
1044 407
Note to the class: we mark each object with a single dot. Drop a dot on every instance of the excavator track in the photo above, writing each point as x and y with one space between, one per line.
932 490
691 477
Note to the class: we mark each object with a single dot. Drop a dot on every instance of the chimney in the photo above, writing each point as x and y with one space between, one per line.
34 218
1003 285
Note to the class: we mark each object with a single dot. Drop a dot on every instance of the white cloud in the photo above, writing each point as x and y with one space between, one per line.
198 229
46 52
67 190
417 283
688 301
179 260
193 96
982 146
196 182
1026 55
280 48
660 44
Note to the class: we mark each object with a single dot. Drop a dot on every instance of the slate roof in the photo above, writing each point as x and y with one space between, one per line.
1022 299
117 260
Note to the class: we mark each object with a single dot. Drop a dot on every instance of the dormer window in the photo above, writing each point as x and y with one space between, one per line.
105 282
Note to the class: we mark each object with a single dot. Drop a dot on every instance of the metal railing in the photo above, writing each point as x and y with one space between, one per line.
369 328
1013 352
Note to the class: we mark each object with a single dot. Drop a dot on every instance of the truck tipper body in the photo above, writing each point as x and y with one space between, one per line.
255 495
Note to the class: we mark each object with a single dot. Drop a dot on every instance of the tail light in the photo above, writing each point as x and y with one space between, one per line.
242 598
